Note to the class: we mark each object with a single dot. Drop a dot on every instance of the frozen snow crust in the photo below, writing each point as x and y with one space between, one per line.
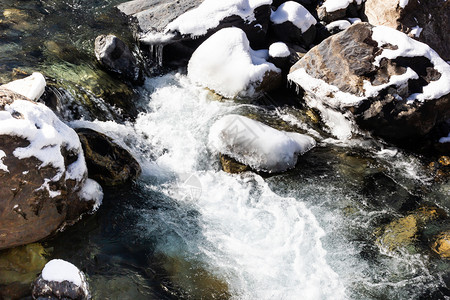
226 64
257 145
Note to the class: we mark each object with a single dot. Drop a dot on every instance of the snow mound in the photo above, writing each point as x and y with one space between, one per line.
226 64
92 191
257 145
58 270
47 136
295 13
341 24
408 47
31 87
207 15
279 49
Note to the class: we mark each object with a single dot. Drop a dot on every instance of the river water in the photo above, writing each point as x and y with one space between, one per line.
186 229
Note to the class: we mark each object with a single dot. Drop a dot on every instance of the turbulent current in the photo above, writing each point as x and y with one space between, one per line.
305 234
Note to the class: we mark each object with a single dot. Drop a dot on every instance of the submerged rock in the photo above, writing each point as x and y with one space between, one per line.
61 280
226 64
257 145
18 269
43 173
116 57
441 245
404 232
394 86
107 162
426 21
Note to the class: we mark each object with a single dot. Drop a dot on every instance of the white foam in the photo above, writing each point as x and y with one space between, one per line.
2 165
279 49
31 87
208 15
257 145
226 64
295 13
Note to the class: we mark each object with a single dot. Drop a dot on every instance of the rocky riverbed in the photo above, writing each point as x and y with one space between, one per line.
250 149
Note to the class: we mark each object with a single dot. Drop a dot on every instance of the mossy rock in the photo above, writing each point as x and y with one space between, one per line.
232 166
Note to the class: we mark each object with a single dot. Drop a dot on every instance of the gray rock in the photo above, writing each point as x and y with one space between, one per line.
116 57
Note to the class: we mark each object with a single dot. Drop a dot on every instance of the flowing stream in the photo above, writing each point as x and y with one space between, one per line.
188 230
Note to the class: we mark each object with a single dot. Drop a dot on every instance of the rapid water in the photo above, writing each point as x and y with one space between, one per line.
305 234
186 229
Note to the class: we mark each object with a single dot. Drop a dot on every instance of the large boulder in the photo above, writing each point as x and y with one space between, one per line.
392 85
42 170
175 41
116 57
61 280
426 21
107 162
226 64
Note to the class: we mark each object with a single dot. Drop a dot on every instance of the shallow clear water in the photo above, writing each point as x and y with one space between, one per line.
188 230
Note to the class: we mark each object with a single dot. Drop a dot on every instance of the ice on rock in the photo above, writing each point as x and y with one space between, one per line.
31 87
226 64
279 49
257 145
208 15
92 191
295 13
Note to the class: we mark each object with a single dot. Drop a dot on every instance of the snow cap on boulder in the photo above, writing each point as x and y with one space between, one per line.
226 64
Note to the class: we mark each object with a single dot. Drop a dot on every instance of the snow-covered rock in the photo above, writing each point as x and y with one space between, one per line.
338 26
279 49
42 171
226 64
426 21
257 145
293 23
32 87
332 10
61 280
395 86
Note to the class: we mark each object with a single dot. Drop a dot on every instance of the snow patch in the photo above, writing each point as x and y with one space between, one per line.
156 38
409 47
207 15
329 93
279 49
295 13
397 80
403 3
31 87
92 191
416 31
2 165
335 5
47 135
257 145
445 139
341 24
226 64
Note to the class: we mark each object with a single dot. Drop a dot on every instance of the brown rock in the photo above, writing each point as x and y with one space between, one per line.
441 245
232 166
107 162
432 16
35 199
